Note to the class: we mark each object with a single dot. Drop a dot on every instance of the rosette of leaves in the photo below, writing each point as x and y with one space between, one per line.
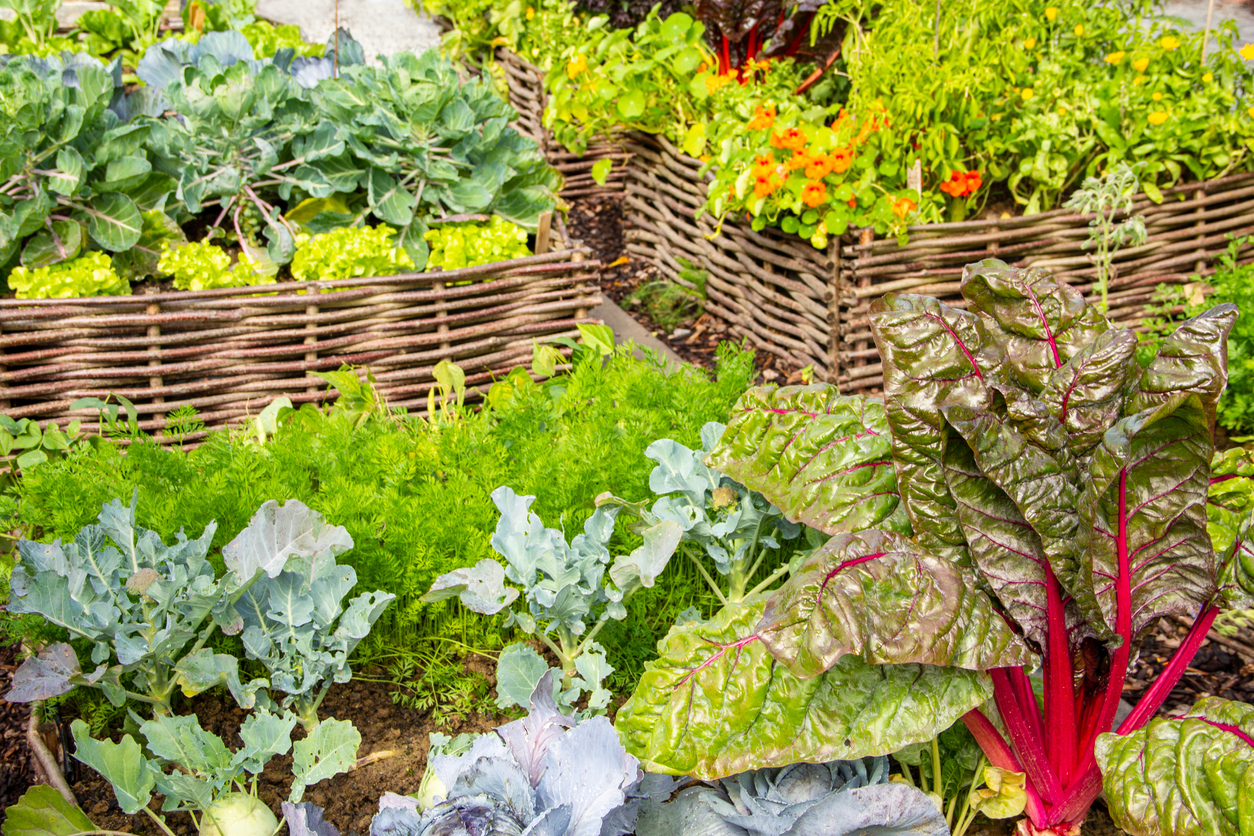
32 31
424 145
454 246
841 798
544 773
71 171
126 28
733 527
90 274
350 252
564 586
1055 492
148 609
230 148
1183 776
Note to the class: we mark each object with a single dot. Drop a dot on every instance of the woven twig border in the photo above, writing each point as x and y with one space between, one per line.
229 351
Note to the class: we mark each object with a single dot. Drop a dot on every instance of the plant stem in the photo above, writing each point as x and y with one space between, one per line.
774 576
160 823
700 568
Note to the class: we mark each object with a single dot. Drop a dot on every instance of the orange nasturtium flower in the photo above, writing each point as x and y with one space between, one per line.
1140 64
853 203
1157 117
814 194
842 158
820 166
763 118
763 186
531 13
763 166
903 206
792 139
1169 42
575 66
800 159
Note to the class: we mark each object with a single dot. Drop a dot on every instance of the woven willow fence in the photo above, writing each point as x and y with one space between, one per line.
525 82
227 352
809 307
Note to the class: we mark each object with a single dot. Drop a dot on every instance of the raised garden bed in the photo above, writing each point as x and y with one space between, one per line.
227 352
809 306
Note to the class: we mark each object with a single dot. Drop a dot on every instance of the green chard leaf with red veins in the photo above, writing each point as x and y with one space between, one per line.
932 355
1230 523
824 458
879 596
715 702
1188 776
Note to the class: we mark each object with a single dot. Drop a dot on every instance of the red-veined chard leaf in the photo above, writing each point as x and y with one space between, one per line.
877 595
715 702
1088 393
1230 523
1192 362
1040 322
933 355
1191 776
823 457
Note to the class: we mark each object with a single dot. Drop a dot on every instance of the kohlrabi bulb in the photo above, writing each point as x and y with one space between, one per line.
238 814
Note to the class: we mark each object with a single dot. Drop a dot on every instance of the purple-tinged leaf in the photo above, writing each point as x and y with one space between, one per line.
1189 776
933 356
528 739
822 457
46 675
306 819
716 702
877 595
1039 321
1088 393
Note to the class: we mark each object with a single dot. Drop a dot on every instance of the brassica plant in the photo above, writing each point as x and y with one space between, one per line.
543 774
149 609
1025 496
842 798
565 589
733 527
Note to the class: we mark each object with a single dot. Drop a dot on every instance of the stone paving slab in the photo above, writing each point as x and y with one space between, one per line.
383 27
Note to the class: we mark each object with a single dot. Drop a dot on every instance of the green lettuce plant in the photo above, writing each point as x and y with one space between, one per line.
467 244
90 274
564 586
348 253
202 266
1026 496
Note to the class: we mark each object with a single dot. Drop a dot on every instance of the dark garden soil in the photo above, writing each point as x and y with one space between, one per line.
16 770
598 222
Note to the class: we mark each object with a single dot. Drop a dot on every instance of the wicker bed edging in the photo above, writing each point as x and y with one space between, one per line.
228 352
809 307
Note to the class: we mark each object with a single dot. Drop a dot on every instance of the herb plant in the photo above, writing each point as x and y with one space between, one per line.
1105 198
1020 443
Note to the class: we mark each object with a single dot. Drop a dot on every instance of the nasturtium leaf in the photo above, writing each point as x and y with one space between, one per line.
631 104
1188 776
716 702
879 596
42 811
823 458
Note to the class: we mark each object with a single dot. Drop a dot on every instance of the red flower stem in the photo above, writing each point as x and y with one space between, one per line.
802 31
1078 798
1031 749
1001 756
1027 698
1060 702
725 66
1157 693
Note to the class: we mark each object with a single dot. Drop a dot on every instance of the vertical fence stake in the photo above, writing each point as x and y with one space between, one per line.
834 329
154 353
311 356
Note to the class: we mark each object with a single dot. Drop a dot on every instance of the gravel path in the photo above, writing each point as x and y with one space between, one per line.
382 26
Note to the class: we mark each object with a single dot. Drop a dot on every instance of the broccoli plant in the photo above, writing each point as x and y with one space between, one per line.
732 526
564 586
1026 496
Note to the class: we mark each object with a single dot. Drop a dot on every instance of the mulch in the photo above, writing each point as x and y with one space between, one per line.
17 772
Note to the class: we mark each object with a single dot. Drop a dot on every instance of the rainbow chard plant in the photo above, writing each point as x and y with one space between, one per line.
1025 500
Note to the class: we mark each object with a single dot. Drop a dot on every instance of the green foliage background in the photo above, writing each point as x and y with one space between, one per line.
415 496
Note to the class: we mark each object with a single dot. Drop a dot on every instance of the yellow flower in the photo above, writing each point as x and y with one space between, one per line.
531 13
1138 79
1169 42
1208 78
1027 93
1051 12
1158 97
1030 43
714 82
1062 110
1140 64
1251 112
1247 51
1157 117
1114 57
575 66
1079 29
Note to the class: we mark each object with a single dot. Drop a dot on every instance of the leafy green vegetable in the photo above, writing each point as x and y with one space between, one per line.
348 253
467 244
1184 776
91 274
42 811
201 266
